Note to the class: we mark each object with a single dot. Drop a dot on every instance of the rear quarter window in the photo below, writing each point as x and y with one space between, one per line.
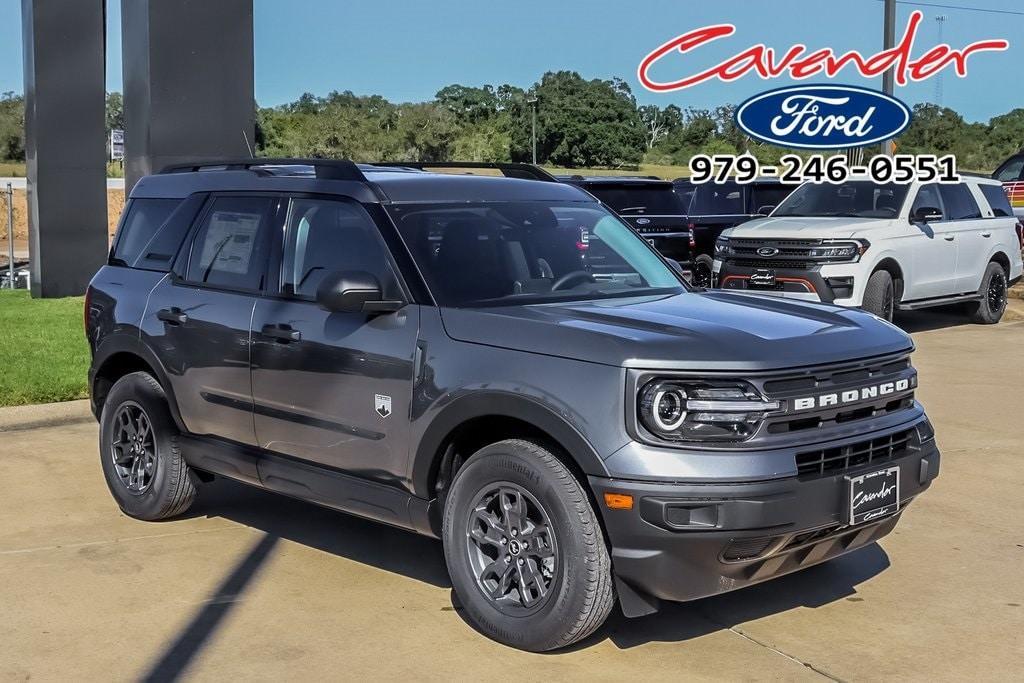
142 222
997 199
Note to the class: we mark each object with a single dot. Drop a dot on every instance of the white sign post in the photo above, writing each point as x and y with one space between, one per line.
116 145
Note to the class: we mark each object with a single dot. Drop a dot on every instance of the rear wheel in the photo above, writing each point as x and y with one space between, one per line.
703 271
139 453
989 310
524 548
880 295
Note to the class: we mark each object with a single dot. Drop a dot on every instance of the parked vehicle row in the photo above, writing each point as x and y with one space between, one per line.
882 247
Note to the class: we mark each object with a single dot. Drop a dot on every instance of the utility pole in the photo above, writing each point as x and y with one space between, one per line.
888 42
533 107
940 20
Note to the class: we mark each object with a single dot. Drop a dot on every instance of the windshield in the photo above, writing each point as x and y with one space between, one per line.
658 200
852 199
717 199
507 253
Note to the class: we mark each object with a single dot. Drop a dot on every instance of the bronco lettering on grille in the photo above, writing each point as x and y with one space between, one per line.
851 395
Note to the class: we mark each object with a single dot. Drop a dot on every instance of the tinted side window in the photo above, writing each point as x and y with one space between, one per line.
768 195
229 249
1011 170
997 199
325 236
141 223
717 199
959 201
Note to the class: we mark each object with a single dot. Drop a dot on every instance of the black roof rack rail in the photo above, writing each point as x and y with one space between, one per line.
509 169
325 169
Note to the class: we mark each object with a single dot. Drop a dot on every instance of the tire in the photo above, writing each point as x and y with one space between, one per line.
993 290
151 481
703 271
880 295
567 569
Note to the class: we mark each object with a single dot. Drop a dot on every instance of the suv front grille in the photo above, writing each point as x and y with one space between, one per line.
771 263
790 254
838 459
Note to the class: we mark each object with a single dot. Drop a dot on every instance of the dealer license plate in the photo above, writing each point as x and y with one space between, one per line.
874 495
762 277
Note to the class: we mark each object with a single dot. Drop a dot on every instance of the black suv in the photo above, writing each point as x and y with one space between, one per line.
715 207
649 204
439 353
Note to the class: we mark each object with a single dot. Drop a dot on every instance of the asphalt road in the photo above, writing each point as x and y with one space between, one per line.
254 586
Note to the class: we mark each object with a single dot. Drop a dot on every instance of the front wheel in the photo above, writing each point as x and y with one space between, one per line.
989 310
703 271
524 548
880 295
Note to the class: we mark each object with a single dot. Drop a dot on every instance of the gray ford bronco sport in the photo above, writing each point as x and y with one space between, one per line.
503 364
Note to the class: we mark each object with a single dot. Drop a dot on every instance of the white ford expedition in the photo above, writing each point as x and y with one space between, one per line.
882 247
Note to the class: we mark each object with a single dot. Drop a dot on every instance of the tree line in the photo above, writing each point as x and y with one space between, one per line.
580 123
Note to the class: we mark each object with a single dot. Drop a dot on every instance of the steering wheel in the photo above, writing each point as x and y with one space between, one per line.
573 277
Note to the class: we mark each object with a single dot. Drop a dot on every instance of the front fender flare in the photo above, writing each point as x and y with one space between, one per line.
499 404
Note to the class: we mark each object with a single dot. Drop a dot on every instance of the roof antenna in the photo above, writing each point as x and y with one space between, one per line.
247 145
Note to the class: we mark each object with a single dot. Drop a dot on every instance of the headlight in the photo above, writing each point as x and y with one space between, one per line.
722 248
682 410
839 250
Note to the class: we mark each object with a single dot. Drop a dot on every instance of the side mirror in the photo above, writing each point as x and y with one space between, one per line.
926 214
354 291
765 209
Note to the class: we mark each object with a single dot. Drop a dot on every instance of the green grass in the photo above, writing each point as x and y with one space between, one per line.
16 169
43 353
665 172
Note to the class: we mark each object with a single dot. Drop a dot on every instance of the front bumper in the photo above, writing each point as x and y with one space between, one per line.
681 542
831 283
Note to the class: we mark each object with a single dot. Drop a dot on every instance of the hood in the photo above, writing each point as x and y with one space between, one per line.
807 228
712 330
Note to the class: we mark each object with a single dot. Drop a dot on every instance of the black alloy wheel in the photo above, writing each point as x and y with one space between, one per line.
996 293
512 549
132 448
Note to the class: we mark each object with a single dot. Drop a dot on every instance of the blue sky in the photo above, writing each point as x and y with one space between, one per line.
406 50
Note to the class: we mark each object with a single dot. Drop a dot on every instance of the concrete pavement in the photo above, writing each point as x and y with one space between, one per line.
255 586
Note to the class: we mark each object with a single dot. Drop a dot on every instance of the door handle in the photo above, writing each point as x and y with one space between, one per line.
986 234
173 316
282 333
949 238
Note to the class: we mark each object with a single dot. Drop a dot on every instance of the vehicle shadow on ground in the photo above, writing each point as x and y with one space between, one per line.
371 543
810 588
422 559
938 318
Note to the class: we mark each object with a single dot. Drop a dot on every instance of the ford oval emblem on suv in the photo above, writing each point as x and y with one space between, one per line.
823 116
643 221
767 251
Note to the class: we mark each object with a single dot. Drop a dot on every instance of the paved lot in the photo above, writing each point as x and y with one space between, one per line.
252 586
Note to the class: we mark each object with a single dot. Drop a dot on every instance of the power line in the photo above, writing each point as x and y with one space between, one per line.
959 7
